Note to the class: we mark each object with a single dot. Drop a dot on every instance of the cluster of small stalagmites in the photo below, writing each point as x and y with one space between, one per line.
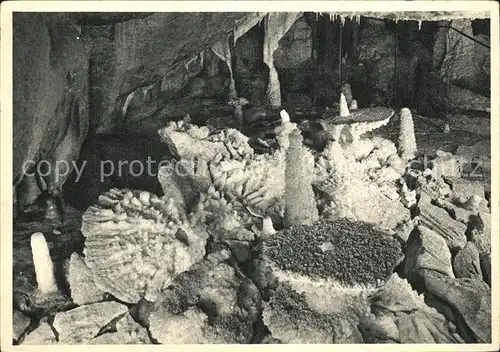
136 241
363 184
236 185
399 315
235 142
235 176
186 140
210 303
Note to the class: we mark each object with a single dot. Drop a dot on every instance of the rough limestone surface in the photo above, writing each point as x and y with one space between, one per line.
290 320
128 332
469 298
19 323
445 164
480 151
438 220
467 264
185 146
344 183
184 328
43 335
400 315
456 212
426 249
479 232
486 268
334 266
229 305
80 325
463 188
230 181
50 71
461 64
81 282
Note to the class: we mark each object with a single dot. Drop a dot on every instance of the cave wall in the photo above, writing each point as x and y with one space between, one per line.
50 70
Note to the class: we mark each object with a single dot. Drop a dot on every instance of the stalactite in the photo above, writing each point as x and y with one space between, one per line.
276 24
250 22
222 50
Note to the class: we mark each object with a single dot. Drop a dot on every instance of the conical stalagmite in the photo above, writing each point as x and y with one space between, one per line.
344 110
300 204
407 145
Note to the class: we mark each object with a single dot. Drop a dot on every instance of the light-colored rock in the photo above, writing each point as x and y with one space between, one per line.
479 232
445 164
81 282
128 333
184 328
463 188
43 335
80 325
438 220
470 298
403 317
426 249
290 320
19 323
466 263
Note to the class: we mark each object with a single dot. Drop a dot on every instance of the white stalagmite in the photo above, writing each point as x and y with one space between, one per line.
446 128
407 144
283 131
344 110
354 104
267 227
285 118
43 264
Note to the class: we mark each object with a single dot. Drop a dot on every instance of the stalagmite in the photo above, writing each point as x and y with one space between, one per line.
354 105
44 270
300 204
267 227
276 25
344 110
407 144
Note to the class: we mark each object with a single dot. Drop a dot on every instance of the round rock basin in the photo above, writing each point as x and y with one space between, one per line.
332 260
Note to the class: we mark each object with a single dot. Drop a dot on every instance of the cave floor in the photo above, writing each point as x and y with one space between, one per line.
466 130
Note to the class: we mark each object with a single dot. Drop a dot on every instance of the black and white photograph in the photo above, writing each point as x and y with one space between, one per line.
267 172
